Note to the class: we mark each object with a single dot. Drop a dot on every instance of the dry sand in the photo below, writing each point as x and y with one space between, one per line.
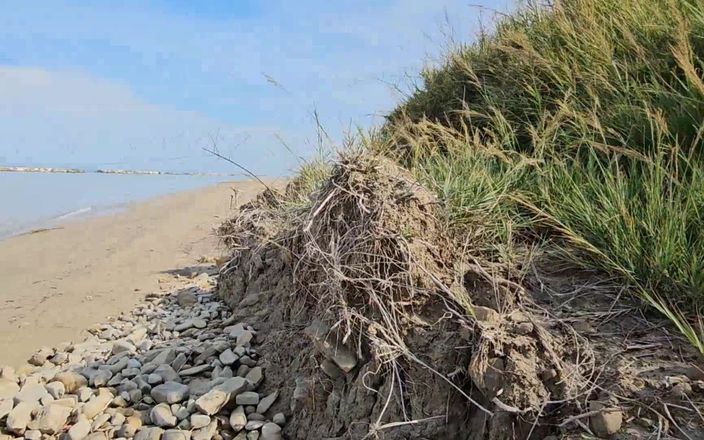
57 283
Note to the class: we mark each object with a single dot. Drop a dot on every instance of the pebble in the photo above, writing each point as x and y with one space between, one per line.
176 434
169 392
80 429
266 402
98 403
279 419
238 419
52 418
161 416
173 364
72 381
19 417
271 431
149 433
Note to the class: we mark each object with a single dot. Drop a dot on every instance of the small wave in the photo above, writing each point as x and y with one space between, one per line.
74 213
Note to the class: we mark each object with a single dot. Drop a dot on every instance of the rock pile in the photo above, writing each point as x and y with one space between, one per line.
177 368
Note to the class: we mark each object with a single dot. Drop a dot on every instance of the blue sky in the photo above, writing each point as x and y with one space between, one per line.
146 84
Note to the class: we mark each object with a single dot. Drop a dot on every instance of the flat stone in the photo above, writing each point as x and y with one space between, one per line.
52 418
100 421
325 342
149 433
186 298
56 389
271 431
123 346
199 323
214 400
247 398
195 370
97 436
19 417
245 338
6 406
199 420
227 357
8 388
253 424
34 434
205 433
607 422
279 419
253 435
170 392
265 403
130 427
255 376
238 419
176 434
31 392
72 381
80 429
97 404
161 416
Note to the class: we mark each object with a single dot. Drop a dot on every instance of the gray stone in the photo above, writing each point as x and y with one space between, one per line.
195 370
271 431
52 418
8 388
253 424
149 433
279 419
19 417
100 378
169 392
325 341
199 421
247 398
179 362
154 379
186 298
253 435
238 419
255 376
72 381
56 389
80 429
265 403
97 436
245 338
199 323
123 346
176 434
227 357
161 416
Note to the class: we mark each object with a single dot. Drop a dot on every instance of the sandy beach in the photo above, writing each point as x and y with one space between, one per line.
58 283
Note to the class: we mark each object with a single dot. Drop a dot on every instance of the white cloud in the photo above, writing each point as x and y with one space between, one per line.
70 117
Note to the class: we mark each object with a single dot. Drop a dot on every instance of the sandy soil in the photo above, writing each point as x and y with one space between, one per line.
55 284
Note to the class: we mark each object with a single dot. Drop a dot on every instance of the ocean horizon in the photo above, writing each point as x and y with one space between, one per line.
32 201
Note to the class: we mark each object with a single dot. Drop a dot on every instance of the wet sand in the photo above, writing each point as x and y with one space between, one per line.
56 283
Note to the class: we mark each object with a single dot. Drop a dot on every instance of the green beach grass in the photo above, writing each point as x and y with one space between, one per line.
578 127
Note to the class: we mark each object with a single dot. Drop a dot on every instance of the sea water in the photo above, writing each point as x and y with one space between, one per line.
30 201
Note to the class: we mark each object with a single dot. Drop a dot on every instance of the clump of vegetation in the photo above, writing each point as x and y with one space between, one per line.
580 124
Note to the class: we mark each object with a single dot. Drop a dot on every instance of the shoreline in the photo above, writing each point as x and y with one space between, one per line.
59 281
